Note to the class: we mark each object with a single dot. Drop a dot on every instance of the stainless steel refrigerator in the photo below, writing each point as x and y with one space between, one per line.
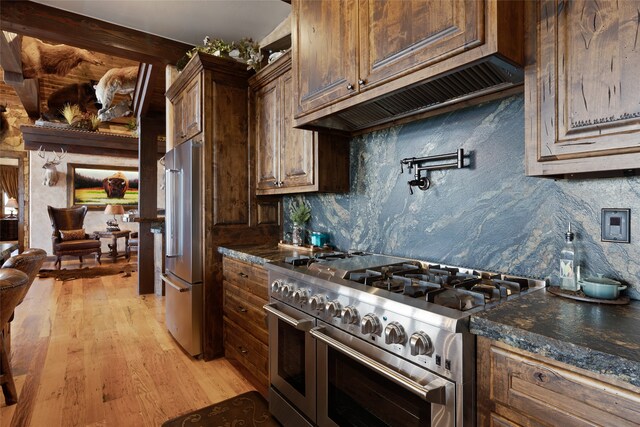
184 241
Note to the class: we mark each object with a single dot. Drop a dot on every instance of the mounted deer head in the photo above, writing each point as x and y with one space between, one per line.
50 171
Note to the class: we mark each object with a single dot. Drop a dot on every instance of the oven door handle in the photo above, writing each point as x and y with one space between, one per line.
302 324
434 392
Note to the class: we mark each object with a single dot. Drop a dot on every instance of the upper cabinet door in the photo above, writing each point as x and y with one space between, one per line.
178 119
297 147
267 123
399 37
324 40
583 110
191 109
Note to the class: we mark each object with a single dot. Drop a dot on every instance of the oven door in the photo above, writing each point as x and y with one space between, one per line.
292 364
360 384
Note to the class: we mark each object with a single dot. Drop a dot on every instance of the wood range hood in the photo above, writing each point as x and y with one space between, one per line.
402 62
471 82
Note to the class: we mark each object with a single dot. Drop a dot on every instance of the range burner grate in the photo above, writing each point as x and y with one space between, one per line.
452 287
297 260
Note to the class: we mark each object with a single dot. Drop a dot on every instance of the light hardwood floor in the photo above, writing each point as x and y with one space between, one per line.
91 352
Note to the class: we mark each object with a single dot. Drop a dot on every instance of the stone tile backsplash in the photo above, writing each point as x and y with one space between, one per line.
488 216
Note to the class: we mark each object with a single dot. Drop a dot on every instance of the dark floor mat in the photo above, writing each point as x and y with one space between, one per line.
248 409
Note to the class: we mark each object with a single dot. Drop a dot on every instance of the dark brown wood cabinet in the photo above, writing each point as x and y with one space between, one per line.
246 339
187 108
581 108
351 52
230 210
516 388
399 37
324 38
290 160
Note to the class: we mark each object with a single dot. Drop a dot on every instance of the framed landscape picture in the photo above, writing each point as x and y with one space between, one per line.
97 186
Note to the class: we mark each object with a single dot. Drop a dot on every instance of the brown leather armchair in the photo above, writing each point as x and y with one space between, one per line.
28 262
13 286
67 239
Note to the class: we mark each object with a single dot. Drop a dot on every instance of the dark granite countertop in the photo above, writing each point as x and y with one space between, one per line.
259 254
600 338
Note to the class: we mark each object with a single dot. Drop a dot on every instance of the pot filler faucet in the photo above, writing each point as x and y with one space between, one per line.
422 181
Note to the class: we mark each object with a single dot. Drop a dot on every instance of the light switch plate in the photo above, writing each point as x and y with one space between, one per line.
616 225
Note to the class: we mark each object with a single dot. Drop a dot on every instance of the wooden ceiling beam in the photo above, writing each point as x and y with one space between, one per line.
29 95
60 26
150 76
11 62
84 142
10 57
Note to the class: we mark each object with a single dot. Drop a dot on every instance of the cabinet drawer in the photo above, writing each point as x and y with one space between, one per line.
556 396
246 310
243 347
250 278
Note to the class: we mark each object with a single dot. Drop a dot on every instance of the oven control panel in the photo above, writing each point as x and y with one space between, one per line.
374 319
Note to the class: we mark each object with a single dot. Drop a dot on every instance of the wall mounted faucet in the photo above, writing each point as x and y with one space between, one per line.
422 181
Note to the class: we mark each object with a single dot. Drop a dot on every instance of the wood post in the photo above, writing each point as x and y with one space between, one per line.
149 128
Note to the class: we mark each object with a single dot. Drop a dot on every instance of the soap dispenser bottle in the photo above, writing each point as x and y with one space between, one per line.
569 263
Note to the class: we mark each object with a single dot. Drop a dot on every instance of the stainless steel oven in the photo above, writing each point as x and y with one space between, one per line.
370 340
292 365
360 384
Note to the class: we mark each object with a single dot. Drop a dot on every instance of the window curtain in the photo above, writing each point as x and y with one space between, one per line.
9 180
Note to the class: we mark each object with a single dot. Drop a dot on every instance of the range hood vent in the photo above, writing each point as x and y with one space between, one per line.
487 76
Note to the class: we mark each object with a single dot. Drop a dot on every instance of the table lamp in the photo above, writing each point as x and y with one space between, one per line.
13 204
112 224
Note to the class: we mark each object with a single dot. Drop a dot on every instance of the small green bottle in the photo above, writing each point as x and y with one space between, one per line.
569 263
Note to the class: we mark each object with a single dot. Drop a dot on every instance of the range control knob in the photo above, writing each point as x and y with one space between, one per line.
370 324
394 334
420 343
275 287
300 296
333 308
316 302
286 290
350 315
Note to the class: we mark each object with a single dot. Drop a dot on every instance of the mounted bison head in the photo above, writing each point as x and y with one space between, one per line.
115 185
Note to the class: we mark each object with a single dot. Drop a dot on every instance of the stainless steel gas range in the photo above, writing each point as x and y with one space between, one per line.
371 340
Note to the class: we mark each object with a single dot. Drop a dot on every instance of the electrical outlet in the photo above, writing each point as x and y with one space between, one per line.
616 225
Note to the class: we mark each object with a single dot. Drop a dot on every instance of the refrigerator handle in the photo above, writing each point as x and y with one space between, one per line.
171 223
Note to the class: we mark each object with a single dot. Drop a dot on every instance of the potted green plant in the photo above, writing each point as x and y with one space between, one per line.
300 214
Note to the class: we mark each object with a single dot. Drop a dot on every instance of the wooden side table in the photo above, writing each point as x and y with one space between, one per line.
113 246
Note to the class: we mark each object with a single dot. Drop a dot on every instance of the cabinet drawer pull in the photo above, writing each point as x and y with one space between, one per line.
241 309
242 350
243 275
